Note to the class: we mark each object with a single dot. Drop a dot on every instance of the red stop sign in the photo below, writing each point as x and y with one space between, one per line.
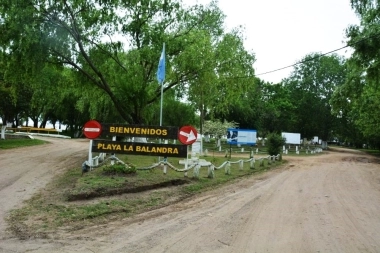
92 129
187 135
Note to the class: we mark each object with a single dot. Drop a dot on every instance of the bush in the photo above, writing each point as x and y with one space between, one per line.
274 143
119 169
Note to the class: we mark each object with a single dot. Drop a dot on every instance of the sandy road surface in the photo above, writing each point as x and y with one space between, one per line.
24 171
325 203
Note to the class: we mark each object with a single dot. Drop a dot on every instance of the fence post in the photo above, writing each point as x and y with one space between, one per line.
228 168
95 161
196 171
252 163
165 166
211 173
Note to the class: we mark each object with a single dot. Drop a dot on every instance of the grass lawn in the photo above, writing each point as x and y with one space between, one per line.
17 143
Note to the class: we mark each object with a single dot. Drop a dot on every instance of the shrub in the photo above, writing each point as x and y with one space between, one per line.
119 169
274 143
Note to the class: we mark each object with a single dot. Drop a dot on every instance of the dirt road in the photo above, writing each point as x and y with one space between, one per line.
324 203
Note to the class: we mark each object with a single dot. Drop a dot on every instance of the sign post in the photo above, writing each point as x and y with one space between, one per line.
92 129
187 135
90 154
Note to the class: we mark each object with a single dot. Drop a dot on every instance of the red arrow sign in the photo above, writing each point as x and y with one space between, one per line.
187 135
92 129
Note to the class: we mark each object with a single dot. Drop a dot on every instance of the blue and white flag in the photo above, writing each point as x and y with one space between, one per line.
161 67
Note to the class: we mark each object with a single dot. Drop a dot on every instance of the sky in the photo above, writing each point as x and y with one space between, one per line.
282 32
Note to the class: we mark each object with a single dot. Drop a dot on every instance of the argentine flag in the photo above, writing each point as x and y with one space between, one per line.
161 67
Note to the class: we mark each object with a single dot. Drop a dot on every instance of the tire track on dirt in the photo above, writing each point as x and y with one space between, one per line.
26 170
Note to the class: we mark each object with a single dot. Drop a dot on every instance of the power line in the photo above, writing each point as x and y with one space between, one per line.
316 57
301 62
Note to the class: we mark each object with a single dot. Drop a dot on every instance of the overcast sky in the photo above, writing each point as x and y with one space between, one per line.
282 32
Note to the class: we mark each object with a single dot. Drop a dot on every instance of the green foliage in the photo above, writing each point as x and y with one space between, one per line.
247 109
14 102
364 38
274 143
174 112
118 168
17 143
277 108
114 75
310 87
356 102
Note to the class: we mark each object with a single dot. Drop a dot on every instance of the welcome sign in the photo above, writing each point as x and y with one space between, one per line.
162 132
93 129
137 148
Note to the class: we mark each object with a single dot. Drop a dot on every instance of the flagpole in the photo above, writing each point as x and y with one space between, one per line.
162 92
162 96
161 78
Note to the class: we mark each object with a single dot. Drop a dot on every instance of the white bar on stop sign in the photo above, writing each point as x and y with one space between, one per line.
91 129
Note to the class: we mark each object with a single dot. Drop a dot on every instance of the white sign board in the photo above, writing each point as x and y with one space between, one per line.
196 146
241 136
292 138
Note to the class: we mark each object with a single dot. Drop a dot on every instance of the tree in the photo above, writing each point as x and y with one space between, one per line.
174 112
246 109
6 107
311 86
84 36
276 109
359 107
222 72
365 38
14 104
355 104
217 128
274 143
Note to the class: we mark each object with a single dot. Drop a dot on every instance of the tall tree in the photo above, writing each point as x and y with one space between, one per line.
277 109
246 108
361 89
311 86
222 70
114 45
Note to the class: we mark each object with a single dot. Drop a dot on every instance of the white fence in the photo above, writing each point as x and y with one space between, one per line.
195 164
